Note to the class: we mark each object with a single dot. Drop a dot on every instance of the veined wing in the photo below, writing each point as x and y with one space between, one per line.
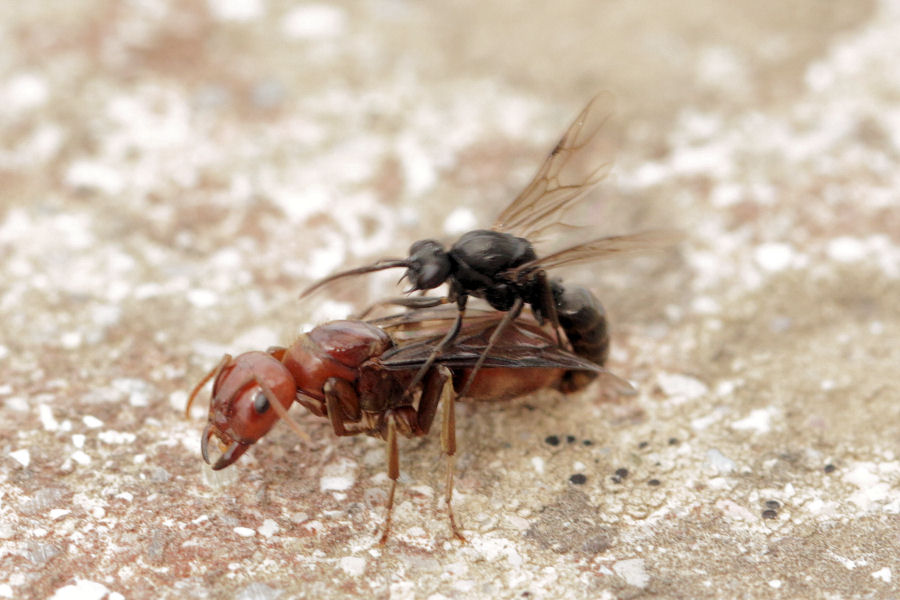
580 160
605 247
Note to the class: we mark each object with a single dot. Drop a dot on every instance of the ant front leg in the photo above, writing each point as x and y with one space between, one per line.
443 344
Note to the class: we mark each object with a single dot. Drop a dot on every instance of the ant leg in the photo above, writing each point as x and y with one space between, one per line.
448 444
414 302
439 389
549 304
393 460
342 404
507 319
433 392
440 346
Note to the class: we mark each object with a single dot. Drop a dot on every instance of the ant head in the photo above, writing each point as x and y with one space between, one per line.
429 265
241 412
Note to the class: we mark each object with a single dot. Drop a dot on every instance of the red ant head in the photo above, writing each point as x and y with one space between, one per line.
241 408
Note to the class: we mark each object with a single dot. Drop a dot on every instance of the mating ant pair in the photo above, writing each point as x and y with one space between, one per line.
386 377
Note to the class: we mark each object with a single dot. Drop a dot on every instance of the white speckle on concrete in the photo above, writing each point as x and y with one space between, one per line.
418 168
774 256
268 528
338 476
17 403
81 458
719 462
58 512
92 175
459 221
244 531
538 463
23 92
775 584
759 420
494 548
314 526
706 305
138 390
633 571
847 563
872 489
116 437
6 590
314 21
883 574
47 419
91 422
846 249
126 496
78 440
23 457
236 10
735 511
202 298
681 387
71 340
4 351
353 565
81 590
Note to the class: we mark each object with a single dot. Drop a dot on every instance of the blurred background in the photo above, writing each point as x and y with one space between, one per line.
172 174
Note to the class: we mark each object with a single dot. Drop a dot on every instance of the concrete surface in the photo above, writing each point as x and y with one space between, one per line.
173 173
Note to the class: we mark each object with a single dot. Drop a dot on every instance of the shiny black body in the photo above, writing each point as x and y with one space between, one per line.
478 264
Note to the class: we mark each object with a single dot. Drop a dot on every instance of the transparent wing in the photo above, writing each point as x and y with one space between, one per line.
606 247
578 162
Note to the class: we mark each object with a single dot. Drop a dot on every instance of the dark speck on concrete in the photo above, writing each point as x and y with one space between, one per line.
578 478
553 440
770 514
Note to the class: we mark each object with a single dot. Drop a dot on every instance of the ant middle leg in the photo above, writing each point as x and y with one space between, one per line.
441 345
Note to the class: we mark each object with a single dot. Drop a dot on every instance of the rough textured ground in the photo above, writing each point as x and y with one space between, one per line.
173 173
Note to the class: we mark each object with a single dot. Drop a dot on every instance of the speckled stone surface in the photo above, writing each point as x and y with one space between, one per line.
173 173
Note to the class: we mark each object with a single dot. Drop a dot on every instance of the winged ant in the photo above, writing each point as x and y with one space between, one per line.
500 265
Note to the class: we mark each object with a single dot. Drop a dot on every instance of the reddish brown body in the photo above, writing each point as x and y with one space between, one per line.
357 374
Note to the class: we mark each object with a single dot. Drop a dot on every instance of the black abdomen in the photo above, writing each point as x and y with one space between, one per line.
583 319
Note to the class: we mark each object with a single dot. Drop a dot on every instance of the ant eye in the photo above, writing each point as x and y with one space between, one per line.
260 402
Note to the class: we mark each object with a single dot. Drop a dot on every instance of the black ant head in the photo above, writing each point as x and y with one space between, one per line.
429 265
